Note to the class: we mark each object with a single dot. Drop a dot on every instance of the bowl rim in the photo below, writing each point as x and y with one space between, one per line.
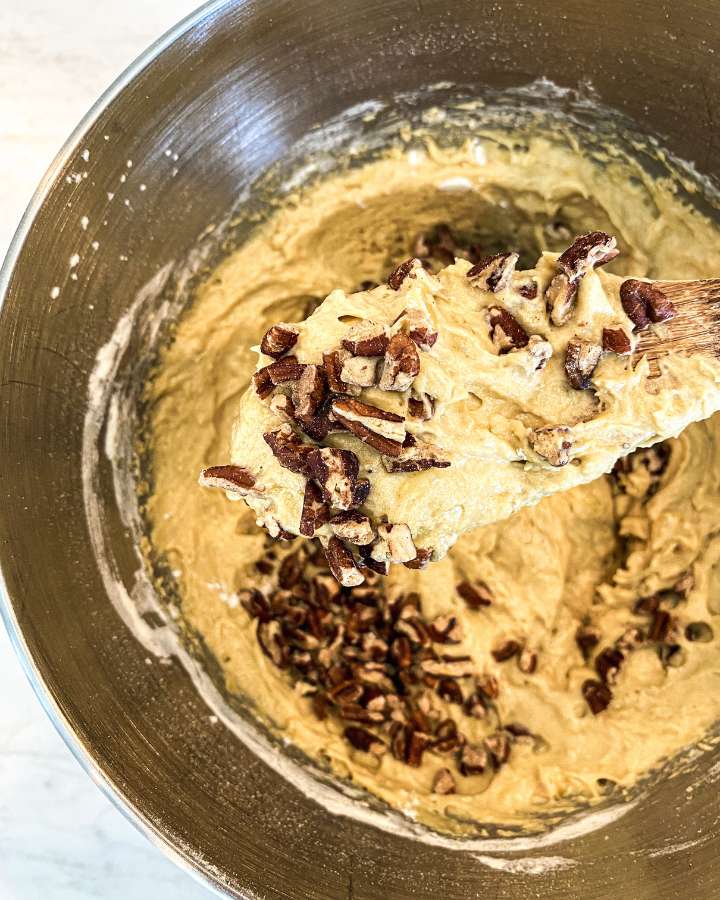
7 612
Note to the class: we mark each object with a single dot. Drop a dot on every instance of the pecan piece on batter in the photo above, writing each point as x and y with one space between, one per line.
418 326
540 351
382 430
342 563
401 364
279 372
421 406
443 782
506 650
449 666
581 359
587 252
333 364
506 332
288 449
422 559
394 544
597 695
336 471
473 760
528 289
364 740
560 297
278 339
360 371
309 391
405 270
476 596
616 340
644 303
353 527
315 512
231 478
553 444
416 458
493 273
366 339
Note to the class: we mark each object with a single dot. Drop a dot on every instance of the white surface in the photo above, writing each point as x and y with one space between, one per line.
55 59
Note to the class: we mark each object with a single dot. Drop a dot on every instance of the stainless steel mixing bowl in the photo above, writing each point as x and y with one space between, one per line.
201 115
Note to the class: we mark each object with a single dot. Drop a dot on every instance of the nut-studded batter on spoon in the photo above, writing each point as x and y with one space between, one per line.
395 419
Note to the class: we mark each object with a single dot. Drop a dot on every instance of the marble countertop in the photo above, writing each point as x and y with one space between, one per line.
55 59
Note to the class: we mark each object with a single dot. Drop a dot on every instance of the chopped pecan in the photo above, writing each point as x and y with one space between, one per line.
553 444
475 595
379 566
528 289
506 332
587 252
255 604
364 740
231 478
540 351
449 666
360 371
315 512
333 363
616 340
587 638
443 782
450 690
269 636
279 372
506 650
366 339
446 630
473 760
597 695
607 664
422 559
404 270
373 426
418 326
527 661
644 303
581 359
401 364
476 705
417 742
560 297
498 746
488 684
278 339
336 471
447 738
353 527
309 392
416 458
342 564
394 544
360 493
660 626
493 273
421 406
283 407
288 449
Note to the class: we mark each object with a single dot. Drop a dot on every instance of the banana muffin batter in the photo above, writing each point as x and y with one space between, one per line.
547 657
